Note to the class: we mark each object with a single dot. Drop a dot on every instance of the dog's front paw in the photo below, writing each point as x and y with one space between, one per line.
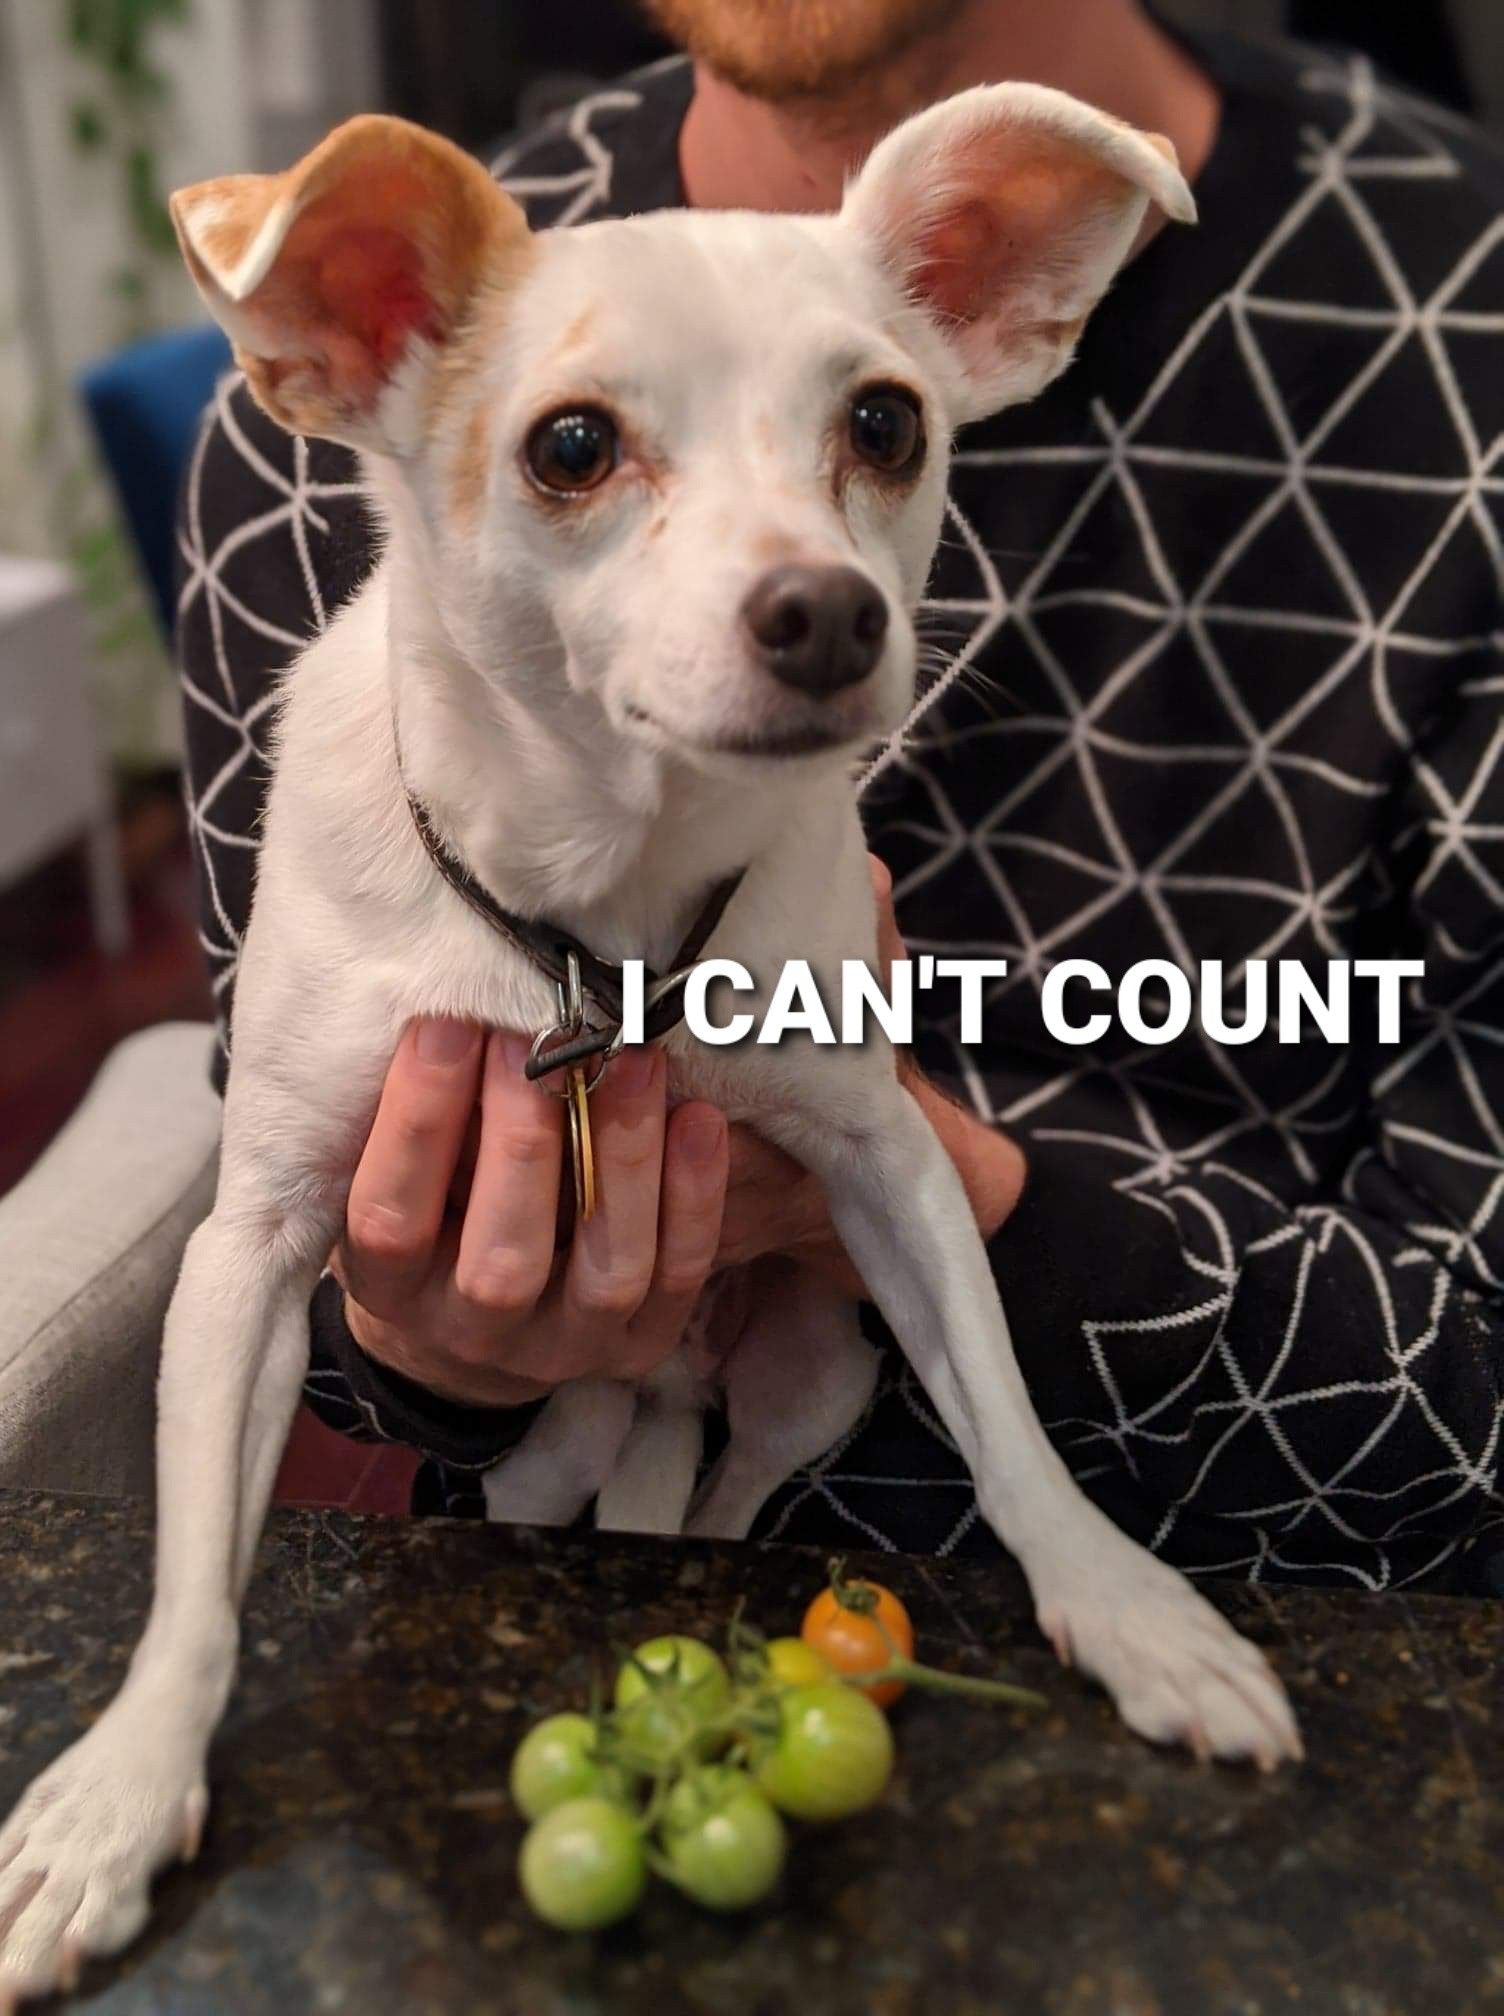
78 1854
1177 1670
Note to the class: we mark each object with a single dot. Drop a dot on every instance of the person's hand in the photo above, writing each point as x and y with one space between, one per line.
449 1257
775 1206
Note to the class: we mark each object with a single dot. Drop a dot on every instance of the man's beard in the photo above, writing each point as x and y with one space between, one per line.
784 50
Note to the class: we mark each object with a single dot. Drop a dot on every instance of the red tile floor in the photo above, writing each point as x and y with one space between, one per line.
63 1008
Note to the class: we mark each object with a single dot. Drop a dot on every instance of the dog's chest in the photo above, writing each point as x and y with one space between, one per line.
470 970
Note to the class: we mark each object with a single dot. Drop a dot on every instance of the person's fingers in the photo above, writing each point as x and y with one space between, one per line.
890 945
696 1157
506 1247
464 1166
772 1204
420 1346
989 1162
611 1259
398 1193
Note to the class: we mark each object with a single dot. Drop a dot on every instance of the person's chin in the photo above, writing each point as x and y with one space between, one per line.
787 50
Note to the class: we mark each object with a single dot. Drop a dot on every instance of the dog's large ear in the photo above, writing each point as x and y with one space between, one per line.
338 279
1005 211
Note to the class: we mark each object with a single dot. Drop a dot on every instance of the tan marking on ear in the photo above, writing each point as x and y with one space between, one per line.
218 221
479 337
472 466
1165 147
468 361
325 275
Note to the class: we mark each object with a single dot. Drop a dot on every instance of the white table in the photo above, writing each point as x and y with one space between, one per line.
54 786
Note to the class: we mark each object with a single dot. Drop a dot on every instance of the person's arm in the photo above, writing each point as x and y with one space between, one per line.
1311 1388
272 536
1315 1386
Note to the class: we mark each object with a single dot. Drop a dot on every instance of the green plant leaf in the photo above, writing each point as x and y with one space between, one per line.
87 123
127 633
147 207
83 23
120 117
93 545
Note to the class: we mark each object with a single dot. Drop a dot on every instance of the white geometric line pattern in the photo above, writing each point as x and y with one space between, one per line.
1214 673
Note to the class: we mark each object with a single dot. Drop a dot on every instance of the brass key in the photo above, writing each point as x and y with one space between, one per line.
582 1151
578 1085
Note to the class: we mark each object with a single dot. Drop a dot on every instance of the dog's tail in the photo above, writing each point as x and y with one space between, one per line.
652 1482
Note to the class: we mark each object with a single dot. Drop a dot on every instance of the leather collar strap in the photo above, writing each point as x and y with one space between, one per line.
549 947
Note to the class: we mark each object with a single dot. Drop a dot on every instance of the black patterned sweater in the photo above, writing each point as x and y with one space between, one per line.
1219 673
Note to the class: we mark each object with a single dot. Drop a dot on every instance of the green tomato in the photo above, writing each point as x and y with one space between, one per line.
660 1732
833 1755
722 1840
582 1865
681 1665
555 1761
665 1693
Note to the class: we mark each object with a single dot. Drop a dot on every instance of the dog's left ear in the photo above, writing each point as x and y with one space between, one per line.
1005 211
342 279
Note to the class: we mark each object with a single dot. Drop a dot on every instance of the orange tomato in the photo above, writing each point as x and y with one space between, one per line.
861 1635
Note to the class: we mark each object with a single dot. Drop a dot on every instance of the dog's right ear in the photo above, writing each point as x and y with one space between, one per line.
341 280
1004 213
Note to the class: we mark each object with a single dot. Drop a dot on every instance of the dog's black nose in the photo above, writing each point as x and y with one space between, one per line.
817 628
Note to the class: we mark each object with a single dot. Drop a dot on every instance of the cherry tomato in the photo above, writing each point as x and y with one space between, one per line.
582 1866
833 1754
658 1736
554 1762
852 1640
665 1693
685 1664
722 1840
793 1663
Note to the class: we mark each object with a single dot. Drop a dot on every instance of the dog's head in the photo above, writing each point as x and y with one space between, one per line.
691 465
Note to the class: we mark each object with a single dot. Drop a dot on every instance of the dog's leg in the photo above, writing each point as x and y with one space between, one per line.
78 1854
796 1381
1175 1668
650 1488
653 1477
565 1457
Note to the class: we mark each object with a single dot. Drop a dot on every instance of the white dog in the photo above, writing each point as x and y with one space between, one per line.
660 497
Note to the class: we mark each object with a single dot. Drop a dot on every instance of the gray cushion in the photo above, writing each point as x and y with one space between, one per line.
90 1243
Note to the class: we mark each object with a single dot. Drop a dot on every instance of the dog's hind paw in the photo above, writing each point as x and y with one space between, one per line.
1177 1670
78 1854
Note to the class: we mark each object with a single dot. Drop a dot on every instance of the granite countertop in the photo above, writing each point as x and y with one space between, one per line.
361 1848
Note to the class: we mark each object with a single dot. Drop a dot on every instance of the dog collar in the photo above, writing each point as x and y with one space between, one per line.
572 966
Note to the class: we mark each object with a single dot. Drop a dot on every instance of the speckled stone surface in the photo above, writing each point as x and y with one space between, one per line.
360 1853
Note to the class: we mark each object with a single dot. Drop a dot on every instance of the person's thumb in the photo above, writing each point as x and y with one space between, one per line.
890 945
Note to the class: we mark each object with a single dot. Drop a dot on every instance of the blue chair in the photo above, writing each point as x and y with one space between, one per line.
145 402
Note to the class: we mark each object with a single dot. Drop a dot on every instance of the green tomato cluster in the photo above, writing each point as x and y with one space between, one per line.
687 1776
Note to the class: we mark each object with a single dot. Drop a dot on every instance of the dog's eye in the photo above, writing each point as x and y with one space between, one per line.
886 429
571 452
